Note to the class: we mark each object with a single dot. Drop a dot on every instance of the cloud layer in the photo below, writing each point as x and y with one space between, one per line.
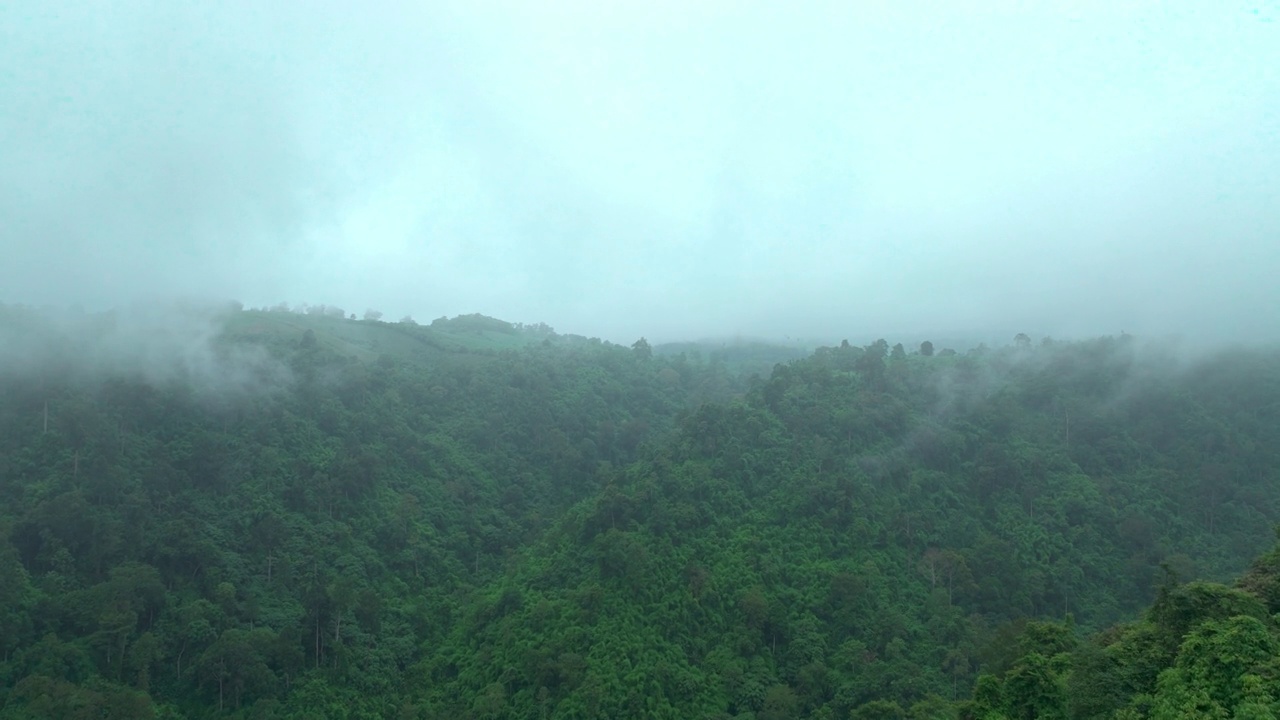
617 169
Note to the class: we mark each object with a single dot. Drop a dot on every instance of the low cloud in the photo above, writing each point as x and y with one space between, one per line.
826 171
162 344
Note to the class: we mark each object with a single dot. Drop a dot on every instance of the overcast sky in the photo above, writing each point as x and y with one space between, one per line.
660 168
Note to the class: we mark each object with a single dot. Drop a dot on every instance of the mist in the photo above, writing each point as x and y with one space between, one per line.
175 344
834 170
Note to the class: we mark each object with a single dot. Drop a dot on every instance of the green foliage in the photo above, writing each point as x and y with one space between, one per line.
358 519
1225 663
879 710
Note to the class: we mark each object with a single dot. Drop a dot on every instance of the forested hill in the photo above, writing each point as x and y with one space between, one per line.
1202 650
302 515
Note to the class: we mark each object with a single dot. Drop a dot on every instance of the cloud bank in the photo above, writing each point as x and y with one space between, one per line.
622 169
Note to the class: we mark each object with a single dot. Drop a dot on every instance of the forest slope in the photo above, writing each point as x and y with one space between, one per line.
323 517
871 526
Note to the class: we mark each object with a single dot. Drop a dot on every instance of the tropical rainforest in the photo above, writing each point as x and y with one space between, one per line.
313 516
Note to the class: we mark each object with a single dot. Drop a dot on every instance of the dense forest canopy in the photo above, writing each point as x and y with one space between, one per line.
282 514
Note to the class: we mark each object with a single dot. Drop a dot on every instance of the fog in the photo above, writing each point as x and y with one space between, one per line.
674 170
163 344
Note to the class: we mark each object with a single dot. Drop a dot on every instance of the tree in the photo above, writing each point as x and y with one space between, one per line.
15 597
372 315
1214 669
642 349
871 364
236 663
780 703
947 568
926 348
1031 690
1095 687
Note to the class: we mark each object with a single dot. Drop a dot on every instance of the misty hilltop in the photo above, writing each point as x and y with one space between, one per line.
321 515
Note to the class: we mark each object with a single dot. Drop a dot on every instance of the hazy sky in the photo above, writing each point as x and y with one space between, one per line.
671 169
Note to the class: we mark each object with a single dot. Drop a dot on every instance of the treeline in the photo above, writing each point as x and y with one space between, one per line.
409 522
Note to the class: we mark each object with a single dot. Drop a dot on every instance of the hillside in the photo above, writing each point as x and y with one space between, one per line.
1202 650
278 515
